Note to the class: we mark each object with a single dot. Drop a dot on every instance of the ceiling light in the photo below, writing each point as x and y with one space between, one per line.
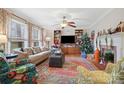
63 24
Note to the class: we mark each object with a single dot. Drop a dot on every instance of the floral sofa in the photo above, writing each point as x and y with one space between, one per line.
17 71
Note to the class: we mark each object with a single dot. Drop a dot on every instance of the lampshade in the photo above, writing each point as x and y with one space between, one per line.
48 39
3 38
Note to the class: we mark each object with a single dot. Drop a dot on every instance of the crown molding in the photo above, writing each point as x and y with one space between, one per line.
101 17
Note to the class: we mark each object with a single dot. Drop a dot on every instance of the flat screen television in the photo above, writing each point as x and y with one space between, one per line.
67 39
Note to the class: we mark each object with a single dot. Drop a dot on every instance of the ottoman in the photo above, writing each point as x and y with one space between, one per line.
56 61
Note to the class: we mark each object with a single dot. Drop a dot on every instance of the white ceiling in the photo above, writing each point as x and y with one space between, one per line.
49 17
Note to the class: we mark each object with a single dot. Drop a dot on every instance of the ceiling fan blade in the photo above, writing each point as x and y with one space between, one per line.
71 22
72 25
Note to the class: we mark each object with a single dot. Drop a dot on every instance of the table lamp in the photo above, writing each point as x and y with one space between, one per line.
48 39
3 40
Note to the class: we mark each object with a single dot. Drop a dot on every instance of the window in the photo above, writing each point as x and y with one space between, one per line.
18 35
36 43
16 45
36 36
17 30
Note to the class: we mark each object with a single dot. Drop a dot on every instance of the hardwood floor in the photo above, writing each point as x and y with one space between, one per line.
73 55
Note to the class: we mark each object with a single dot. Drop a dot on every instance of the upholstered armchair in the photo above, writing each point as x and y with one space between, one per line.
108 76
17 71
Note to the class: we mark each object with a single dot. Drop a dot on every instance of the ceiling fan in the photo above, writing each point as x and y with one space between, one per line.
67 23
71 22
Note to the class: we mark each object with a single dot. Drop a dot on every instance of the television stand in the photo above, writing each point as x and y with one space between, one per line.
70 49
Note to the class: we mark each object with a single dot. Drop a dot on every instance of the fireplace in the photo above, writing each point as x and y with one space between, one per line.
117 44
114 49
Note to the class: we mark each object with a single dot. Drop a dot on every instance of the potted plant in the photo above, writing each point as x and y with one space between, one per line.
109 56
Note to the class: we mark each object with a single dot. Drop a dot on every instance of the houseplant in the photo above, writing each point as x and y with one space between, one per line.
109 55
86 46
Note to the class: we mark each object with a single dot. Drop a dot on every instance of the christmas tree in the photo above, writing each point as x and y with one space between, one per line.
86 44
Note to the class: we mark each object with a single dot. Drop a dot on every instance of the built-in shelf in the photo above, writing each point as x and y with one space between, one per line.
78 34
57 37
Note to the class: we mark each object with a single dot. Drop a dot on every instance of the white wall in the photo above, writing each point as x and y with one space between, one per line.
111 19
68 31
47 33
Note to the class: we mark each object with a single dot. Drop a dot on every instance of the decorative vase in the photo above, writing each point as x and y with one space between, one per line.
97 55
83 54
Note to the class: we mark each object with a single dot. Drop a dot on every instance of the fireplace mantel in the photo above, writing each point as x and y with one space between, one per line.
118 42
113 35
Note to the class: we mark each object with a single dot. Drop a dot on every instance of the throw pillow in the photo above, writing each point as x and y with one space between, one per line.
29 51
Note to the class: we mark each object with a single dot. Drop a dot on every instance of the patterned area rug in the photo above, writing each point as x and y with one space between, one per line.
66 75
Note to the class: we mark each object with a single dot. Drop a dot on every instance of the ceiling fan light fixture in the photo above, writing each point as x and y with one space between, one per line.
63 24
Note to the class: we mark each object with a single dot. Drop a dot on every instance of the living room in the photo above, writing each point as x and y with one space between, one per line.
61 46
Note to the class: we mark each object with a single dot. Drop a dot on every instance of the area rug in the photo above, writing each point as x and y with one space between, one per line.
66 75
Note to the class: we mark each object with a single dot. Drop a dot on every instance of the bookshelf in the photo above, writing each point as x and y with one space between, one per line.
57 37
78 34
